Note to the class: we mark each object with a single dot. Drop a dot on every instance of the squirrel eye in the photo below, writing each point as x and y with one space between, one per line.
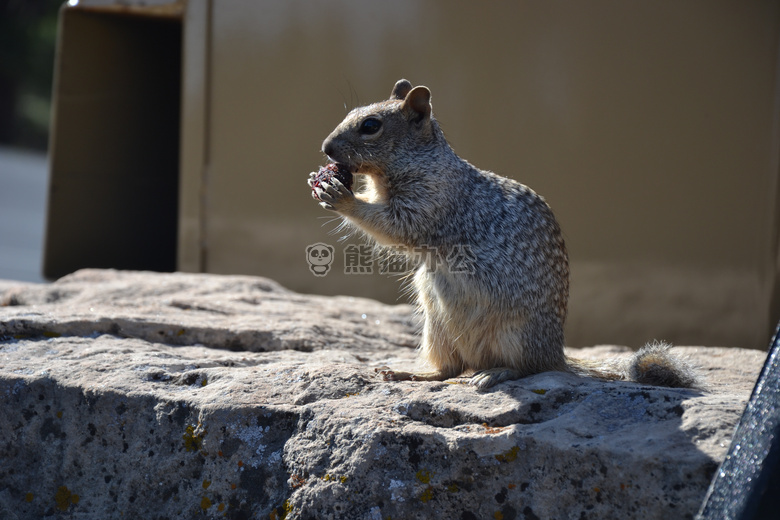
370 126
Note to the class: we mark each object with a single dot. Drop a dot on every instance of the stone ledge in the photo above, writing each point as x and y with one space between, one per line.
174 395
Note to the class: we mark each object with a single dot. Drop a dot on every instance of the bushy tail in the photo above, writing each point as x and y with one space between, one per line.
653 364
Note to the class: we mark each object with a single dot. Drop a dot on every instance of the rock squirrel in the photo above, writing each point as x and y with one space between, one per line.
494 292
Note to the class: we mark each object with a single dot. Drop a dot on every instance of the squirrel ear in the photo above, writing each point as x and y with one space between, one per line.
401 89
417 104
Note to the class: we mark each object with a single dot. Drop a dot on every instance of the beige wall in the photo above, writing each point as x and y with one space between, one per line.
650 127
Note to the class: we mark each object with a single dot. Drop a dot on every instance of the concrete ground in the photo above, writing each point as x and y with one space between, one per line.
23 185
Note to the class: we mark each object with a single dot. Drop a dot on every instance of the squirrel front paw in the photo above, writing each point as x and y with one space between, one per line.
331 194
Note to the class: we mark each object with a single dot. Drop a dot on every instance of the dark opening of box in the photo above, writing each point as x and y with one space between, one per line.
113 195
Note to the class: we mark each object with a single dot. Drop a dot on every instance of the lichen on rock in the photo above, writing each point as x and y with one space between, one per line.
105 412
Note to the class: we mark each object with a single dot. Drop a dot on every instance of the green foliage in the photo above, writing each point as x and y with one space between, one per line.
28 32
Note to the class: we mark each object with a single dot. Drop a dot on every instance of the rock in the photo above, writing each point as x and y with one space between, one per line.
166 396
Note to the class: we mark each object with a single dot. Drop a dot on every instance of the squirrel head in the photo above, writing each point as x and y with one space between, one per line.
371 139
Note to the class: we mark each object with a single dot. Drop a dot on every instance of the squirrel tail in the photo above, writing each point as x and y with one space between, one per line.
652 364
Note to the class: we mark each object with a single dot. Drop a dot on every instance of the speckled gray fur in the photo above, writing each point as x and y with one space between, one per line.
503 318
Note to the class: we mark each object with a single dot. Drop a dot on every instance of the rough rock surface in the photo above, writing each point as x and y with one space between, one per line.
166 396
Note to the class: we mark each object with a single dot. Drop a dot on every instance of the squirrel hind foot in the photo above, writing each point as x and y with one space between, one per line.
484 379
654 365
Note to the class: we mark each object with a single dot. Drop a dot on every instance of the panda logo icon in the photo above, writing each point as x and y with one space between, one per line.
319 256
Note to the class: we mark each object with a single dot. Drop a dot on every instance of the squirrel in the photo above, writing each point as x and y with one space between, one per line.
494 295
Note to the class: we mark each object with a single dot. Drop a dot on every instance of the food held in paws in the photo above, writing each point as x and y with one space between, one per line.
331 170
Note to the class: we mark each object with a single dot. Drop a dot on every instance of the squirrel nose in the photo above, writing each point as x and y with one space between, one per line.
327 147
